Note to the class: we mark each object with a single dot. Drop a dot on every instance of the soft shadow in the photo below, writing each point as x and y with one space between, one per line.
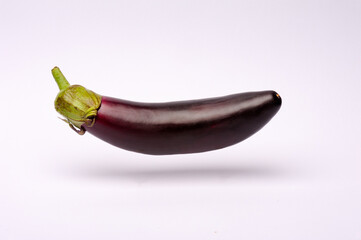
187 173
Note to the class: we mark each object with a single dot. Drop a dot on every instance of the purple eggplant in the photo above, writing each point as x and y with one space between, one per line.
165 128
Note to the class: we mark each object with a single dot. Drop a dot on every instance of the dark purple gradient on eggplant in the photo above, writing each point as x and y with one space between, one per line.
184 126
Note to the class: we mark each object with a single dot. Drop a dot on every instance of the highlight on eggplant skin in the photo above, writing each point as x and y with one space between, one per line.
166 128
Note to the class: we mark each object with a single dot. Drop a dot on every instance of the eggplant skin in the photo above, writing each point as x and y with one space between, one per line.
185 126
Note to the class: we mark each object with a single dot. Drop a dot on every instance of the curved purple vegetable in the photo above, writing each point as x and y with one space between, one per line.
166 128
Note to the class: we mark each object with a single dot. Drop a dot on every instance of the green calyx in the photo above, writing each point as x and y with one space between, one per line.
76 103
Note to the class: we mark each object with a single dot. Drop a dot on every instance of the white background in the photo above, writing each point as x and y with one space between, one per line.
297 178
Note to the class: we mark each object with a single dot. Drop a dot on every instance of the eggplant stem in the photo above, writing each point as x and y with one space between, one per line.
60 79
76 103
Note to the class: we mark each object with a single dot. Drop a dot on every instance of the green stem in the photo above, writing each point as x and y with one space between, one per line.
60 79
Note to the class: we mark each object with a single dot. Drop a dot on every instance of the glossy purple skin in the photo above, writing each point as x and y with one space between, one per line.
185 126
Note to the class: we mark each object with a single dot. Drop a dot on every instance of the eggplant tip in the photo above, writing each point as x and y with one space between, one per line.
277 98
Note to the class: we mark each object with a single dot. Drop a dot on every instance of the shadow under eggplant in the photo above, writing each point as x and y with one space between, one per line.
179 173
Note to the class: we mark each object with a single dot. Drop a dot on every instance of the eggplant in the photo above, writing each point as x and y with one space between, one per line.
165 128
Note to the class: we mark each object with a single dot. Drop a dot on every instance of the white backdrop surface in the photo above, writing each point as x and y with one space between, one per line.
298 178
